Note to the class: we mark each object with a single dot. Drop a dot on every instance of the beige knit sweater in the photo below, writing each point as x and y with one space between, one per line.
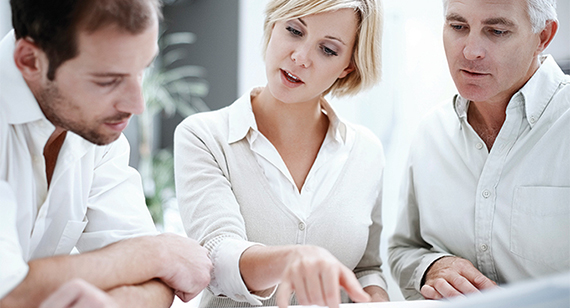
223 194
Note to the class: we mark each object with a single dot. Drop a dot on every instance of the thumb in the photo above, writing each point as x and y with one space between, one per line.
348 281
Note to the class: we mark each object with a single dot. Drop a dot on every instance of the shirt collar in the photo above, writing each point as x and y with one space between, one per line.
16 98
337 127
540 88
242 119
535 94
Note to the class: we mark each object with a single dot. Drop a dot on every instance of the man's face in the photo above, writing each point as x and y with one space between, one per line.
490 47
95 93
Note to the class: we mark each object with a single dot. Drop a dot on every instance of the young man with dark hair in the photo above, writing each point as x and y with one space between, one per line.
71 74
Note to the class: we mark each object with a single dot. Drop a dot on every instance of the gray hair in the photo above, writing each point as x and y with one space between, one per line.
539 11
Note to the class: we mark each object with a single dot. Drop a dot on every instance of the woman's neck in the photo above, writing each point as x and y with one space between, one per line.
278 120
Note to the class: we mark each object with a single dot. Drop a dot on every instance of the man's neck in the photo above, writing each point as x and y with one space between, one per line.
487 120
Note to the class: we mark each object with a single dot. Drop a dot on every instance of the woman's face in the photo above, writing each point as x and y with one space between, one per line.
305 56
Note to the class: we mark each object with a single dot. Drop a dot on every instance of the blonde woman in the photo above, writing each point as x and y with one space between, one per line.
278 188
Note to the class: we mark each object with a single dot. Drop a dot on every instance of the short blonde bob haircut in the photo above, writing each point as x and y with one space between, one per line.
367 51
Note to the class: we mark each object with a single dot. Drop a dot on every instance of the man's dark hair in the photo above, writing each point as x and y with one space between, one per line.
54 25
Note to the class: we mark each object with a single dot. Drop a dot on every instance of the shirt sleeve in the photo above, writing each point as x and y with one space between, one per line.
409 255
210 211
116 207
13 268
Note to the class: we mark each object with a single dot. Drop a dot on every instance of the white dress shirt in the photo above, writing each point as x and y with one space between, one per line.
94 198
506 210
234 191
333 152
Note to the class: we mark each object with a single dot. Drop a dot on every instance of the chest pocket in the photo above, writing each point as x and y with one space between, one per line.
71 234
540 225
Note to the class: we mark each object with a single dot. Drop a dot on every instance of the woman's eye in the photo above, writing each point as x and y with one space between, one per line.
294 31
328 51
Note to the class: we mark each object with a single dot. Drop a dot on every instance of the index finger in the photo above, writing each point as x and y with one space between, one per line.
284 294
351 285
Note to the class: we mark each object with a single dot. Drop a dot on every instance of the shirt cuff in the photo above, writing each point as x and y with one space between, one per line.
373 279
13 273
226 276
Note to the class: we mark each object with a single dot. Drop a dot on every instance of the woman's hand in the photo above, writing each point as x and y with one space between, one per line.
316 277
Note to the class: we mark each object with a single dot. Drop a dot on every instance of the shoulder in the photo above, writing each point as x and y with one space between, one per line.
210 123
367 148
365 137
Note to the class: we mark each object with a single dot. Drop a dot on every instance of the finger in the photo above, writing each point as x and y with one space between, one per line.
184 296
331 288
63 297
482 282
428 292
443 287
314 288
349 282
284 294
463 285
296 278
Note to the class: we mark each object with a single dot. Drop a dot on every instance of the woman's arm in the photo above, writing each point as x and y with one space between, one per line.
311 272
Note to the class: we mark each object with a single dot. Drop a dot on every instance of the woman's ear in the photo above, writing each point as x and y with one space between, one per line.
30 59
349 69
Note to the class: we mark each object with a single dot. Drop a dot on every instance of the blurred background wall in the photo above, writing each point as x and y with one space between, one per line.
225 46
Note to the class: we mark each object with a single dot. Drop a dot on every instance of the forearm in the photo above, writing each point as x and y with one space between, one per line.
261 267
151 294
128 262
377 294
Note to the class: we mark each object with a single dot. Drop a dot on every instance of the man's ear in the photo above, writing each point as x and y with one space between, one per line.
30 60
546 35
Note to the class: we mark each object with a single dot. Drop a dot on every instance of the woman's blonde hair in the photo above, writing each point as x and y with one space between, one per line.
367 52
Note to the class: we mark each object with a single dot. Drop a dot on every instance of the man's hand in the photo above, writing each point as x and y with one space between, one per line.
453 276
79 294
316 277
188 268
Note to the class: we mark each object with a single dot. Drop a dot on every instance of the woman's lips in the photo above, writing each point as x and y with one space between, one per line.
290 79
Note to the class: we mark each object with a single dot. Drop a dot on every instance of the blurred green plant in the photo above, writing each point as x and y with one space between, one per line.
168 89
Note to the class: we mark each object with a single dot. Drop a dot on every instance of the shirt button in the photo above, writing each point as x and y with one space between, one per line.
484 247
479 146
486 194
301 226
532 119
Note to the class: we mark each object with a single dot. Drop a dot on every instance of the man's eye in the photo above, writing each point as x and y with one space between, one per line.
499 32
107 83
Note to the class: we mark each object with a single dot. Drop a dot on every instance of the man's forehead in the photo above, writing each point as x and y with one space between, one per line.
488 12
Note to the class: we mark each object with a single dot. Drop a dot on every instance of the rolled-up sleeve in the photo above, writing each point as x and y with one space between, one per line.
13 268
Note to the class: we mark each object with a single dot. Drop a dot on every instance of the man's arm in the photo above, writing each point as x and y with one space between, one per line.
179 262
78 293
409 255
419 269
